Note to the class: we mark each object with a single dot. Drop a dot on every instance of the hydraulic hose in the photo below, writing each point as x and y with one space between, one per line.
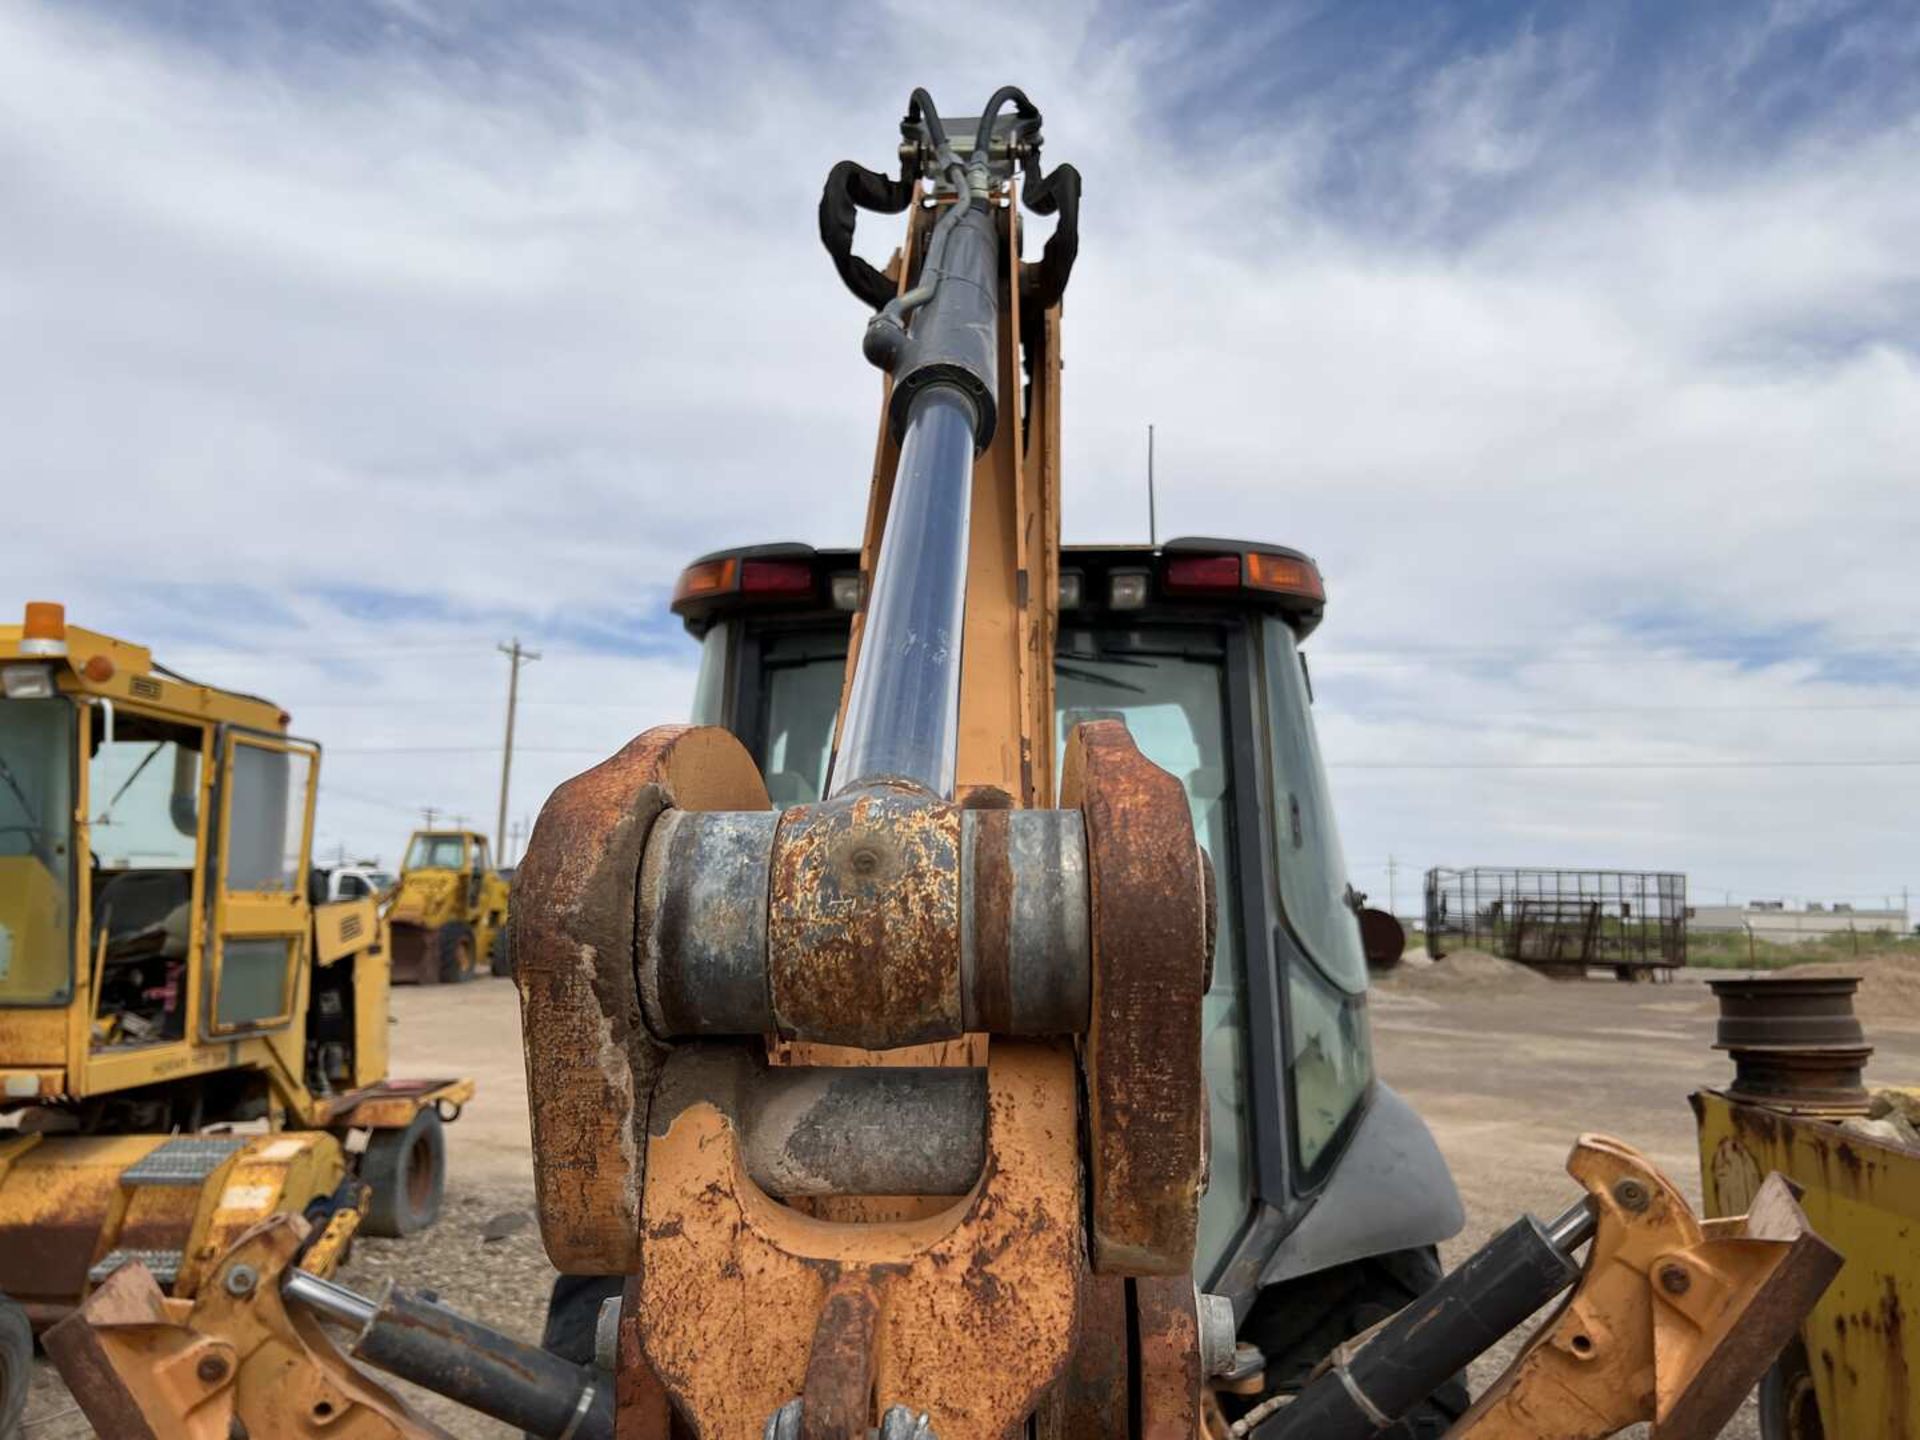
983 137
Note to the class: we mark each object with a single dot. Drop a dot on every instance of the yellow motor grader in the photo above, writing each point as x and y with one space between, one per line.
911 1052
188 1042
448 910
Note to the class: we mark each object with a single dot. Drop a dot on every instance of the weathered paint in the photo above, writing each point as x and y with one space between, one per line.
1146 1091
591 1062
863 921
1672 1321
144 1367
1863 1195
977 1303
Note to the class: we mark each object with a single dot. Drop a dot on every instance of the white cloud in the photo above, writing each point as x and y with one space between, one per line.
520 337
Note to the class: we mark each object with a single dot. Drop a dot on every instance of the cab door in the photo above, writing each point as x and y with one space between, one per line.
257 950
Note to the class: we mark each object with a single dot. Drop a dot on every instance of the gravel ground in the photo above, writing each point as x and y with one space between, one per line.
1506 1070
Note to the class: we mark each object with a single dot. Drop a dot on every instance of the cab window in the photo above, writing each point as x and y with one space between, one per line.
36 851
437 852
143 787
1170 688
1329 1060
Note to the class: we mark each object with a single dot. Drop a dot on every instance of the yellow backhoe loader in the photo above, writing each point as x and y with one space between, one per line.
188 1043
962 1031
448 911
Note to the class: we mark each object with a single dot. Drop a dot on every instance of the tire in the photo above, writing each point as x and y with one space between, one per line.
500 953
16 1366
407 1172
1789 1408
1297 1323
454 950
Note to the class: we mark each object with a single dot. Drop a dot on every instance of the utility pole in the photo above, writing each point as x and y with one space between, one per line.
428 813
517 657
1393 867
1153 521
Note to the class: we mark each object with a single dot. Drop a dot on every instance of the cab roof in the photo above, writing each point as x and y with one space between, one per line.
87 662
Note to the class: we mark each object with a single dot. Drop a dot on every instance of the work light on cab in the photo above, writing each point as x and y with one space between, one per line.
45 629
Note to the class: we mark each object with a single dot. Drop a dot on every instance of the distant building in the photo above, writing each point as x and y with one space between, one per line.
1771 920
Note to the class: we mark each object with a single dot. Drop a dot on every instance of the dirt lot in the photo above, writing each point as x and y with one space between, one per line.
1507 1073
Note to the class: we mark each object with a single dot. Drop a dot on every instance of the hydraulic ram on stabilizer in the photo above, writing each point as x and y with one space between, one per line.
1369 1384
452 1356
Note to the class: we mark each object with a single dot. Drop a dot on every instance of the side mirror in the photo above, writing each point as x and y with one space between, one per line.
1383 938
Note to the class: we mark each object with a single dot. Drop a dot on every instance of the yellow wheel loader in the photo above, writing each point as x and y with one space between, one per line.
962 1032
448 911
188 1042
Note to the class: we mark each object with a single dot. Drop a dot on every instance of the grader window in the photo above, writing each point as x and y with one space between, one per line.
143 789
36 851
265 818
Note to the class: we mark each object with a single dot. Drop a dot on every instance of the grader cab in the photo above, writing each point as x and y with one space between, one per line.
189 1043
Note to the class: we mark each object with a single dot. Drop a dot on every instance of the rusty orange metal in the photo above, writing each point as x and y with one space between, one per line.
1170 1383
392 1104
642 1410
863 921
1090 1398
235 1361
1673 1321
976 1304
839 1385
1146 1093
591 1063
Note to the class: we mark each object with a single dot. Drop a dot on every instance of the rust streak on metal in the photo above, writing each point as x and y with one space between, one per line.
591 1061
1145 1087
978 1301
990 923
1168 1328
837 1401
863 923
1091 1396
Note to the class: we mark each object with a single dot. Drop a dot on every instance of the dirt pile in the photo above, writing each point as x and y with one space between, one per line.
1889 985
1461 972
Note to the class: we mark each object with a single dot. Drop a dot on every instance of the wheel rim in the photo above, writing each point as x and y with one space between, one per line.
419 1174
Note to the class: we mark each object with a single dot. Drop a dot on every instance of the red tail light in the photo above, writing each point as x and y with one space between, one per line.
776 577
1203 572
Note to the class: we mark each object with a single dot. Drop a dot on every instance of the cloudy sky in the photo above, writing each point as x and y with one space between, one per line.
342 342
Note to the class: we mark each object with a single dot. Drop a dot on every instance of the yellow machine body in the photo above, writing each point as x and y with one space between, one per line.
1862 1347
448 910
164 970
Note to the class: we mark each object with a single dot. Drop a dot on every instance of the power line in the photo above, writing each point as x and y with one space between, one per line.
1621 764
1425 712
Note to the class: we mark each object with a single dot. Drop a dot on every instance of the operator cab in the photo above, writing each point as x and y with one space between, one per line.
1196 646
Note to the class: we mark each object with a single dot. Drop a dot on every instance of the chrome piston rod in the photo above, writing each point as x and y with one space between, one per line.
903 713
